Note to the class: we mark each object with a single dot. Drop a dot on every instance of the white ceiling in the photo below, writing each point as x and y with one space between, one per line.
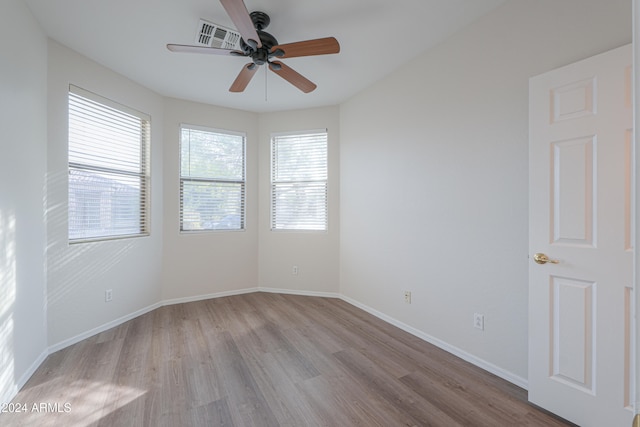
376 37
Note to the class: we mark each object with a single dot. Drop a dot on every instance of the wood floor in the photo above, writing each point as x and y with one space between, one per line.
265 359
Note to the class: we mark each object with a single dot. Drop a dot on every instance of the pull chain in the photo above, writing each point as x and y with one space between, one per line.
265 84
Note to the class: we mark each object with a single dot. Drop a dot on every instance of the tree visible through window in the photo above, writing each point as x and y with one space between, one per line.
212 179
108 168
299 181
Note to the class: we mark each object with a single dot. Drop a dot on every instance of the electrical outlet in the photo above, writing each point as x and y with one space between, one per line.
478 321
294 270
108 295
407 297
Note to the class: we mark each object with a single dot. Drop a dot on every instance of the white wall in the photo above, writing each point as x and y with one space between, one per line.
316 254
79 274
434 175
201 264
23 151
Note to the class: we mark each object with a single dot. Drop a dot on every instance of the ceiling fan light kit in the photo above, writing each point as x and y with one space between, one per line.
262 47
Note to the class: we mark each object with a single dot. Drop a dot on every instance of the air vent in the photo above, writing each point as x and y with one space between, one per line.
213 35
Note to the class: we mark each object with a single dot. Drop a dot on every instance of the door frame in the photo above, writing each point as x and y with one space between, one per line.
636 221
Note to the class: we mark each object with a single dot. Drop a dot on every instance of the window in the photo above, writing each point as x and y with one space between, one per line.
108 168
299 181
212 179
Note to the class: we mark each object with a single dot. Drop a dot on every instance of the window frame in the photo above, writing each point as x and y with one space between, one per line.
144 175
272 184
243 182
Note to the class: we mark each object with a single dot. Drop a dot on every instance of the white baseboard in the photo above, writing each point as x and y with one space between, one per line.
487 366
13 390
101 328
208 296
126 318
481 363
301 293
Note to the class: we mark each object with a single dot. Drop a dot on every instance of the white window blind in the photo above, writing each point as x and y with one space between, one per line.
108 168
299 181
212 179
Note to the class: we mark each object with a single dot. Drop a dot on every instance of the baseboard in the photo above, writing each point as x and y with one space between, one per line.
12 391
301 293
126 318
209 296
474 360
483 364
101 328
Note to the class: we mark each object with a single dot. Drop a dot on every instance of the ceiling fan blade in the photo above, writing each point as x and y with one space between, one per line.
203 49
292 76
323 46
239 14
243 79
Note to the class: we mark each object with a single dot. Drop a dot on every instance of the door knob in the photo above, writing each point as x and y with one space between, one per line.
541 258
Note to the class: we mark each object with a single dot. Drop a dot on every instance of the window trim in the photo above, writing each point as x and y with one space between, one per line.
145 164
274 135
201 179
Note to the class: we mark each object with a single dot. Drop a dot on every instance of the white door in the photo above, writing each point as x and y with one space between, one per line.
580 302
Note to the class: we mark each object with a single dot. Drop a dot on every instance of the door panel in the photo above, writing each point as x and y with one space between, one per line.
573 100
572 332
573 191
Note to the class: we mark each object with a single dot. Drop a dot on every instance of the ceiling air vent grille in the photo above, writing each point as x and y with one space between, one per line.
213 35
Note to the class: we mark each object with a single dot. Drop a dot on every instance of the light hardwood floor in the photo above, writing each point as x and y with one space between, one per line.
265 359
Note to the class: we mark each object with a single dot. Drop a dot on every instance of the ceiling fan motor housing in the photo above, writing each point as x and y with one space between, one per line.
260 20
261 55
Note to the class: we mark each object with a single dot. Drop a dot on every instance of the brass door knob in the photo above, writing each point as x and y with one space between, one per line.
541 258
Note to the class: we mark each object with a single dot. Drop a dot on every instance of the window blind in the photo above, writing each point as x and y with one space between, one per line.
299 181
212 179
108 168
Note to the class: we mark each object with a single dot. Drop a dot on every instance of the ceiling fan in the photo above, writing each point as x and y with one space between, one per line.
262 48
